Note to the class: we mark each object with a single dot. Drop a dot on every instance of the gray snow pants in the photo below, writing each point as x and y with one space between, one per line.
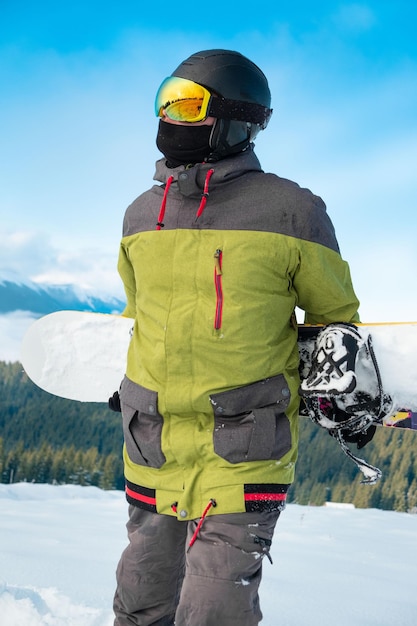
214 583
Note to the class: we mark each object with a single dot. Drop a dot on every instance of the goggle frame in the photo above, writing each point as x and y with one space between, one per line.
173 99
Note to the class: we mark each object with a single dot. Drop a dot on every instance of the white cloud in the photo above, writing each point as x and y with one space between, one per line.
23 252
31 256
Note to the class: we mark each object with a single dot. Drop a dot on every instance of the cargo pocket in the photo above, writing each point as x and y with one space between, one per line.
142 424
250 423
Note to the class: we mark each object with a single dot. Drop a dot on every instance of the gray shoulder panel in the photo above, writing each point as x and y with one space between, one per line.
255 201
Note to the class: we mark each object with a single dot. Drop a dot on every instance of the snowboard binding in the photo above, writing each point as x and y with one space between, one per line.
343 391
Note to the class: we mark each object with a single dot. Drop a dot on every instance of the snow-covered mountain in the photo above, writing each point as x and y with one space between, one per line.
44 299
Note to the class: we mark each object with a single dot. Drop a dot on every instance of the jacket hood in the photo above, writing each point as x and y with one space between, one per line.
190 180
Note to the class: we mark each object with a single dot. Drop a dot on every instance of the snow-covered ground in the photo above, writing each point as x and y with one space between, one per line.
333 566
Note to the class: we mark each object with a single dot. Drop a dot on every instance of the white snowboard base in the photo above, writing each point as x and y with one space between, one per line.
77 355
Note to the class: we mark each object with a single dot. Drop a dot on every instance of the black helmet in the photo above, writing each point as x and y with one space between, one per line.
244 92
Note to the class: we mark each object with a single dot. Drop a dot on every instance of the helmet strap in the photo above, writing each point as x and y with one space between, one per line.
228 137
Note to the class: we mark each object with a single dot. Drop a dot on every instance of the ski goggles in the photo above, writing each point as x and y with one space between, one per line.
182 100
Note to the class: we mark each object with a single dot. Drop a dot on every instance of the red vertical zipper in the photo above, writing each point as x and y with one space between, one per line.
218 258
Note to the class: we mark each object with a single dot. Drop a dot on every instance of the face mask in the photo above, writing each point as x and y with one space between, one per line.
182 145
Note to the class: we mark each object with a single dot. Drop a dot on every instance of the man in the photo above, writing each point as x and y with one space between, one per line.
214 261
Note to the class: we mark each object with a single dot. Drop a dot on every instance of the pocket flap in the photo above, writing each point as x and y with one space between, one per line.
270 391
139 398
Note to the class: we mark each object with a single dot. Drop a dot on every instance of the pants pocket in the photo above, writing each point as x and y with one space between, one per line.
142 425
250 423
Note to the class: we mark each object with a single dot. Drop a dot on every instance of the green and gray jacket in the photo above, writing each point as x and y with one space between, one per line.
214 262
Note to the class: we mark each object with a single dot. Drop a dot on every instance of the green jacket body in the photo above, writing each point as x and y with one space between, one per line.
214 261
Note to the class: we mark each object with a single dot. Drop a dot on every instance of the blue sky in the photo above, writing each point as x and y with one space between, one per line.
78 130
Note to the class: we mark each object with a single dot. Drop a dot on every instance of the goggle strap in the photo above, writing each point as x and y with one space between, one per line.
240 111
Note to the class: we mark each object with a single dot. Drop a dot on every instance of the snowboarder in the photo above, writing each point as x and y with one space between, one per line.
214 261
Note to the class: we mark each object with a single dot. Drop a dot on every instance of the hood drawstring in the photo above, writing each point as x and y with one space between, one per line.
160 223
203 201
205 194
212 503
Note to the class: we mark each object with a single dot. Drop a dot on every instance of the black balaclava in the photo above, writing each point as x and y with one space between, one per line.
183 145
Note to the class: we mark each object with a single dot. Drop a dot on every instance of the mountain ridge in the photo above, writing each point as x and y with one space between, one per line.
43 299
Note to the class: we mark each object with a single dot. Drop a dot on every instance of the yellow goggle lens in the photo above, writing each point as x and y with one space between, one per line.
182 100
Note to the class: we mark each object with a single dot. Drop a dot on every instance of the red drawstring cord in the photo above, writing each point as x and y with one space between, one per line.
212 503
204 197
161 215
203 201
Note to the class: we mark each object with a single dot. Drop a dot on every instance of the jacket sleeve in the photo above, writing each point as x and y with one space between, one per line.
321 279
127 275
323 285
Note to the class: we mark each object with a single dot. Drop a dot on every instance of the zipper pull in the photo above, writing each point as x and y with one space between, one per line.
217 262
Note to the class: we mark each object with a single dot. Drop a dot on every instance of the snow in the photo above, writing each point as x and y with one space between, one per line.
59 547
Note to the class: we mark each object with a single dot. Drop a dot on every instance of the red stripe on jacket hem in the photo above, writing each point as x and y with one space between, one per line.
139 496
143 497
265 496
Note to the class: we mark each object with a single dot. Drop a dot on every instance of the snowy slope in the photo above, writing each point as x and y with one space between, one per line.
59 547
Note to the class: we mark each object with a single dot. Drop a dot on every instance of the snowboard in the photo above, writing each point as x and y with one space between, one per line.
82 356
